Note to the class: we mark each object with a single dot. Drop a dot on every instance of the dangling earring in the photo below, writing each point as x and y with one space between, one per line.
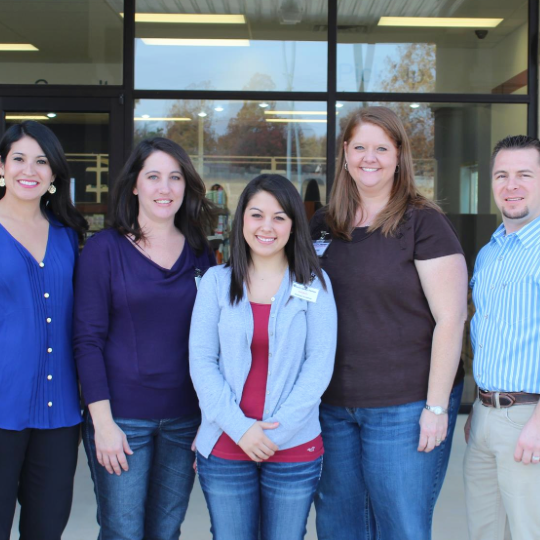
2 181
346 166
52 189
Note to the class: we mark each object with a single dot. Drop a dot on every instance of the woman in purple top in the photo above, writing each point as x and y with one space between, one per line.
134 292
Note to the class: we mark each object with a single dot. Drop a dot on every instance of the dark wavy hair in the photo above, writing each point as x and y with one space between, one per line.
60 204
299 249
195 218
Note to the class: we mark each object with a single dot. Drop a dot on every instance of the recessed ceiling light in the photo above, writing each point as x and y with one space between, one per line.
264 105
145 116
415 105
318 113
440 22
188 18
218 109
339 105
17 47
202 114
25 117
161 118
169 42
51 115
290 120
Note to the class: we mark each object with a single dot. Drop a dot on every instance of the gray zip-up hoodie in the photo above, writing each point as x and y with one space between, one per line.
302 346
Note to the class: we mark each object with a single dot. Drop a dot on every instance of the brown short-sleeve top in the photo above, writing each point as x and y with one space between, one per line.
385 326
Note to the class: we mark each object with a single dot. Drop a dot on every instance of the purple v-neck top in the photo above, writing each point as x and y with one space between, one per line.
131 328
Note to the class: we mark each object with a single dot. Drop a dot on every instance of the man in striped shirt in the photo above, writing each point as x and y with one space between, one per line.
501 468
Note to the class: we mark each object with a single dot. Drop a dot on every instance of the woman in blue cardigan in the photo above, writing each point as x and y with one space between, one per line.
262 346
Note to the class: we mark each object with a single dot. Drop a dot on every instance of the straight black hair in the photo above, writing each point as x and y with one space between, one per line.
195 218
60 204
299 249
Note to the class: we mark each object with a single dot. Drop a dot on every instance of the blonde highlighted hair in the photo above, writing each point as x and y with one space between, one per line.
345 198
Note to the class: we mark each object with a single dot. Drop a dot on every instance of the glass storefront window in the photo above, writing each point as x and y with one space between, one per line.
263 45
468 47
59 42
85 140
451 145
231 142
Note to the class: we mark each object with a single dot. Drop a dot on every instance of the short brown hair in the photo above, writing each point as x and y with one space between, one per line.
345 197
515 142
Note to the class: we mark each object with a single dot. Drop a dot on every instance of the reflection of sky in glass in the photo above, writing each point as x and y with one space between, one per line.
220 119
290 65
369 65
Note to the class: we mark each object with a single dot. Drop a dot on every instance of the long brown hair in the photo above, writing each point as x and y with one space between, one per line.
345 198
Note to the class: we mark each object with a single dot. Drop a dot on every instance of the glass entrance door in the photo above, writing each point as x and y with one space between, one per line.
86 139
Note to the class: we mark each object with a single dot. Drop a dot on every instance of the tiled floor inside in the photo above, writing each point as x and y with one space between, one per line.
449 520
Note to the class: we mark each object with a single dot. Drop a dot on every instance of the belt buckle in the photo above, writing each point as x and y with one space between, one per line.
495 400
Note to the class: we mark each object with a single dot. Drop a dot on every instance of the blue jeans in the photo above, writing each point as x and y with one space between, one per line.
150 500
375 485
258 501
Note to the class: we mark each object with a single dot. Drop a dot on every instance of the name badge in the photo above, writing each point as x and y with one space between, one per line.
198 276
304 293
321 246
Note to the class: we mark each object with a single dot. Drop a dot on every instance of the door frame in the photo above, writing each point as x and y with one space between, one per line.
113 106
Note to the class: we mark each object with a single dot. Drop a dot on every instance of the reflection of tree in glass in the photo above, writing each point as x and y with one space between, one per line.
187 134
412 69
248 133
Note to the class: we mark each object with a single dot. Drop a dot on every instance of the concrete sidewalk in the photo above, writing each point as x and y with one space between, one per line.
449 521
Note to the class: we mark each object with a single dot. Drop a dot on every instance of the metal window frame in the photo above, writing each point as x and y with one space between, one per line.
119 100
122 122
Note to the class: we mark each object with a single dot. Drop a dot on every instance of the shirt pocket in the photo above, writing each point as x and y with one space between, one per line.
518 301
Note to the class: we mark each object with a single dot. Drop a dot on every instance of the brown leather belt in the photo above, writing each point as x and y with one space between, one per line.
503 400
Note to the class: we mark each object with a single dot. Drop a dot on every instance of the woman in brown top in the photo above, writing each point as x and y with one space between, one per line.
400 284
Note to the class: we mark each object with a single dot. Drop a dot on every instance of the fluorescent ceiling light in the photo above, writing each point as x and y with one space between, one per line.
320 113
440 22
147 118
188 18
317 121
26 117
197 42
17 47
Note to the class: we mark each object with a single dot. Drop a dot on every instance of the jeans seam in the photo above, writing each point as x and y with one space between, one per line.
92 463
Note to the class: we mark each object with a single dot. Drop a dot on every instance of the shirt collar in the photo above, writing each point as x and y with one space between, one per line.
529 235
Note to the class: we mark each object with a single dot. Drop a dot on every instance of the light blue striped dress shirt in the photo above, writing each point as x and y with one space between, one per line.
505 330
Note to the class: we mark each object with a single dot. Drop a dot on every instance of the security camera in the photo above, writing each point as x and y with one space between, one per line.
481 34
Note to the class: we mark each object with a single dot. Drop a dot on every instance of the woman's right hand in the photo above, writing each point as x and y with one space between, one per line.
111 442
256 444
111 448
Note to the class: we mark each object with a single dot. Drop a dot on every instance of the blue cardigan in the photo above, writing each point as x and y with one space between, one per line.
302 346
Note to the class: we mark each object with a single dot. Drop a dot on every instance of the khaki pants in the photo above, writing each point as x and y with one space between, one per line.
501 495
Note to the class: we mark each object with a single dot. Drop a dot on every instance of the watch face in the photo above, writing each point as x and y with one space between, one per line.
437 410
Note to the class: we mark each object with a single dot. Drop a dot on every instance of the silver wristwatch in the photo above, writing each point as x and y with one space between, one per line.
436 409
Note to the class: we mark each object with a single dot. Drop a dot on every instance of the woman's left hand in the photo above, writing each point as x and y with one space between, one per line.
433 430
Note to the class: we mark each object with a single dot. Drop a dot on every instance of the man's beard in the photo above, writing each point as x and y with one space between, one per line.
516 214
